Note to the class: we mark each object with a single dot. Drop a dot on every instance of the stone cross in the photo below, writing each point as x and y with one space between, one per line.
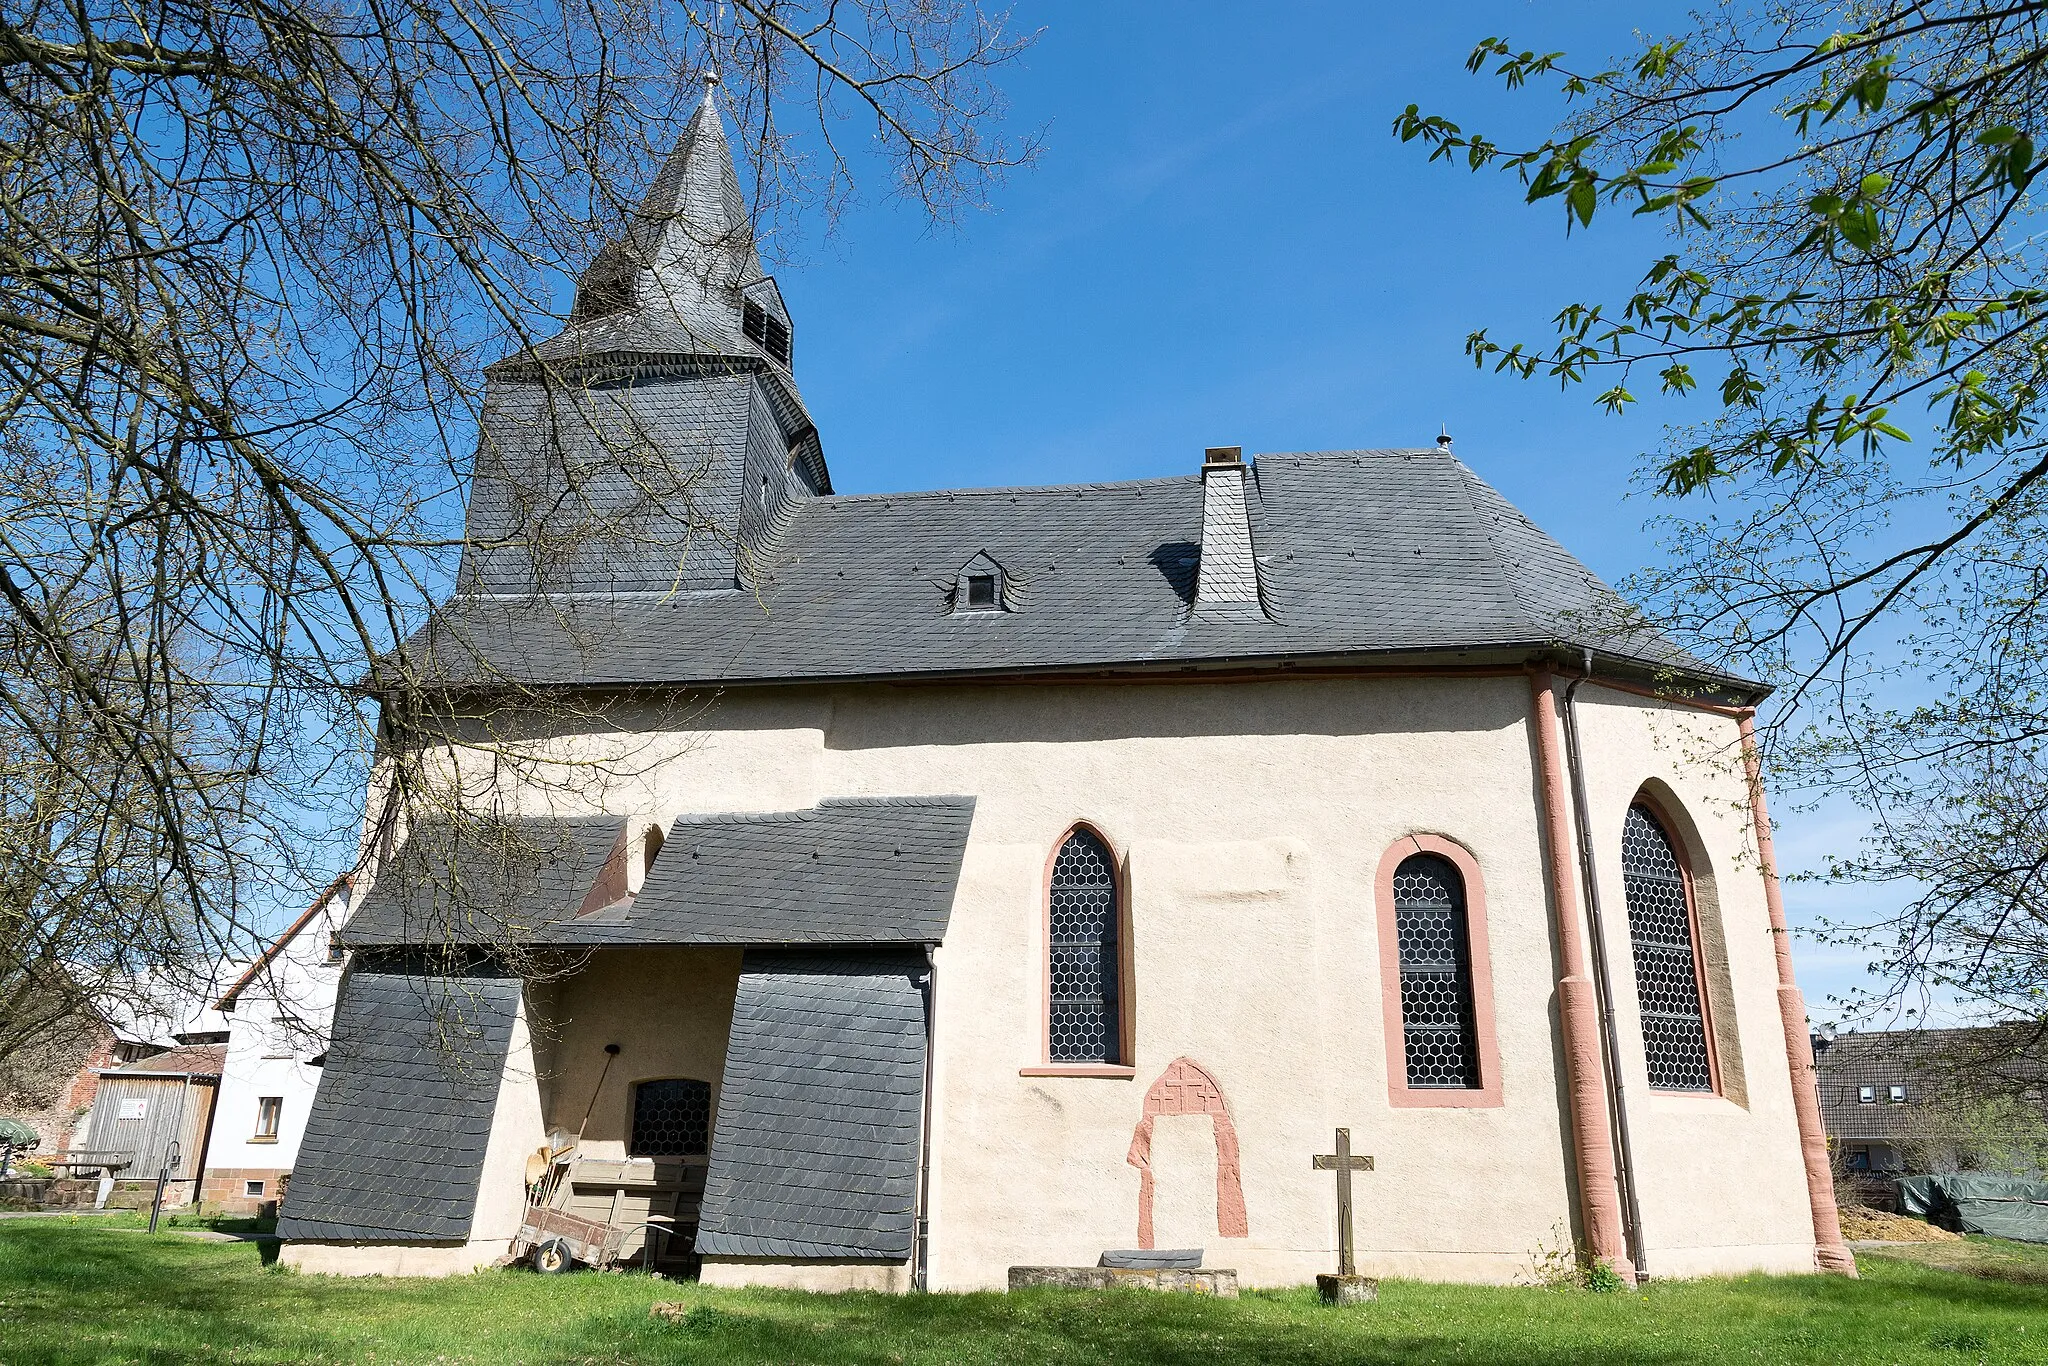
1343 1163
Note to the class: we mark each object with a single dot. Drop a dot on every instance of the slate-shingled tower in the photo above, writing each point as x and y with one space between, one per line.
1057 866
656 442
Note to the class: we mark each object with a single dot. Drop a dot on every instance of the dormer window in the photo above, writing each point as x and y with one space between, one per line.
979 587
765 330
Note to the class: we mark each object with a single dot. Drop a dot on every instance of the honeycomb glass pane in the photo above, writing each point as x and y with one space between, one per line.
1083 966
1661 939
1440 1034
671 1118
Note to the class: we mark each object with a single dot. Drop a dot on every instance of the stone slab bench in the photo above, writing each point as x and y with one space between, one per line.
1221 1284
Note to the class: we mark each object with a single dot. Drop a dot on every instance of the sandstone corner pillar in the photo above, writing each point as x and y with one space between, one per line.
1578 1003
1829 1251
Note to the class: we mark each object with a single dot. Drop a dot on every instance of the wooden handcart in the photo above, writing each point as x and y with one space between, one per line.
604 1213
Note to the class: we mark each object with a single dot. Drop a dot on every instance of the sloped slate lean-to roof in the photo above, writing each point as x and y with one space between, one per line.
848 871
815 1153
1369 552
394 1147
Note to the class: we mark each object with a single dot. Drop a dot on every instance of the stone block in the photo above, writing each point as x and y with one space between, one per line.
1219 1283
1343 1290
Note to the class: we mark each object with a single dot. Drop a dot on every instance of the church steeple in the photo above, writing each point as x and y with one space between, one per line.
659 442
687 269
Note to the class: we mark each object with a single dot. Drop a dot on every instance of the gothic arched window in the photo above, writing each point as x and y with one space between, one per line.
1666 950
1084 1024
671 1118
1439 1033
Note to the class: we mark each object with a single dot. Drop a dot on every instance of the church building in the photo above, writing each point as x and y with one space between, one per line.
936 883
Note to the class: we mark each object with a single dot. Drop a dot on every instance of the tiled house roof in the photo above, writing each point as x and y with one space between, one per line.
1932 1066
191 1060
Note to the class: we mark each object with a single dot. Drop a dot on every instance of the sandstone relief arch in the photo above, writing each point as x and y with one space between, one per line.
1186 1088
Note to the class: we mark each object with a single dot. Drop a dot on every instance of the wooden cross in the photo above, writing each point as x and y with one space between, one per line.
1343 1163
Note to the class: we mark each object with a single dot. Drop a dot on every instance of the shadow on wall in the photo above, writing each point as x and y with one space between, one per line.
1025 713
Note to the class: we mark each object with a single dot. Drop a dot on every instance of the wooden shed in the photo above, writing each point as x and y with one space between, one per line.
157 1112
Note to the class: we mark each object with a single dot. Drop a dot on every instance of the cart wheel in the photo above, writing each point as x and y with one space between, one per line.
552 1258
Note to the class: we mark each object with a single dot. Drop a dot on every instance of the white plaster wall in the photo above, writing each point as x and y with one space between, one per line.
668 1009
279 1024
1253 817
1720 1173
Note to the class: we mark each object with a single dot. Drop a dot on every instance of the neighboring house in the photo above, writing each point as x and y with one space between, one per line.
51 1085
155 1115
278 1013
1887 1094
1058 867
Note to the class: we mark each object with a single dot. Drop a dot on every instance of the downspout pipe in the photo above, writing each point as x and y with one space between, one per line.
1830 1252
1603 978
921 1228
1577 1002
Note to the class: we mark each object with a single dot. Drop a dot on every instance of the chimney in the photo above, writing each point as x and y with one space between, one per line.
1227 586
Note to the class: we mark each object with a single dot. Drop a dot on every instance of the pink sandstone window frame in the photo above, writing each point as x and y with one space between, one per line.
1400 1095
1126 1069
1660 811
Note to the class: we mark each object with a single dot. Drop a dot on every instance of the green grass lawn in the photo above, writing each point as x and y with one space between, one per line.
74 1292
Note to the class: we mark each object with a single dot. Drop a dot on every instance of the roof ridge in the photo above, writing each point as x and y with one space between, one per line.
1467 478
993 490
936 799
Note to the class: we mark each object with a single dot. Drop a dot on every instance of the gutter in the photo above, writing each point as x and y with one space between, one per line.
921 1226
1624 1166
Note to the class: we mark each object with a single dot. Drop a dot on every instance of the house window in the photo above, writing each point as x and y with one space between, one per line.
1898 1095
1083 967
252 1190
269 1110
335 952
1660 926
1858 1160
671 1118
1438 1031
1866 1095
981 591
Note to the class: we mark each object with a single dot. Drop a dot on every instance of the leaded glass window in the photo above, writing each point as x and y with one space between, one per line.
671 1118
1667 973
1437 1025
1084 962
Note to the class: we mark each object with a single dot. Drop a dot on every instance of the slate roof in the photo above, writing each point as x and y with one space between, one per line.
847 871
1935 1066
475 881
1370 552
394 1146
815 1152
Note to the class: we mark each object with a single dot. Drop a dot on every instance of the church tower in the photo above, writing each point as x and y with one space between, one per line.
659 442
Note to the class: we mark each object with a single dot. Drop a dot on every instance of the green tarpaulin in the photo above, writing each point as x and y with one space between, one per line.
1977 1202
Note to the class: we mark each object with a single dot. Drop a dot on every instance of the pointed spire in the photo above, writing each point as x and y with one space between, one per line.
689 246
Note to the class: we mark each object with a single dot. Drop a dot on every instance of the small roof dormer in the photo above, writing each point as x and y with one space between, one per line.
981 586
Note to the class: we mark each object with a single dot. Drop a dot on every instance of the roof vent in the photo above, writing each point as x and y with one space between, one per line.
1227 585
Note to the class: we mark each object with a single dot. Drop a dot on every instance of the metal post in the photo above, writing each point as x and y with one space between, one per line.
163 1179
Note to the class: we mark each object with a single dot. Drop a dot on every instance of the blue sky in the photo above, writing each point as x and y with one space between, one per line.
1224 244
